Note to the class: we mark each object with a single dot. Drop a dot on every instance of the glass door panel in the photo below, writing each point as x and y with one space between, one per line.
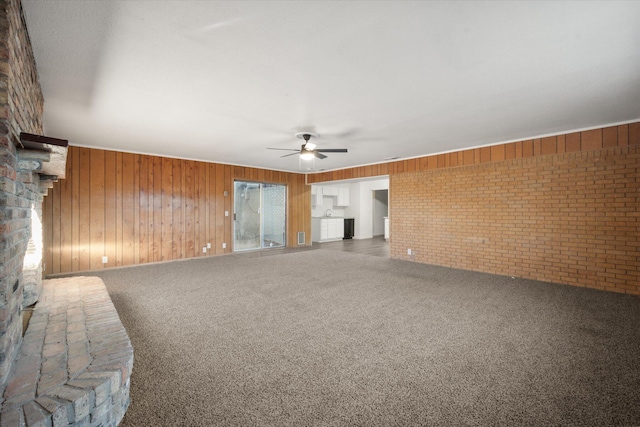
274 220
259 215
246 216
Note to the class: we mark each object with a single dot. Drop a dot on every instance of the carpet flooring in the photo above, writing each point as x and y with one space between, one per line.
326 338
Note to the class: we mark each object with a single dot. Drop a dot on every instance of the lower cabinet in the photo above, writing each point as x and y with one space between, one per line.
327 229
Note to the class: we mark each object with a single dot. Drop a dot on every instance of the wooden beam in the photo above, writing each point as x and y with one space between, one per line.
30 141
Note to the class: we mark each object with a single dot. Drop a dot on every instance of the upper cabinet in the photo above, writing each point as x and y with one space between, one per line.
330 191
340 193
316 196
343 196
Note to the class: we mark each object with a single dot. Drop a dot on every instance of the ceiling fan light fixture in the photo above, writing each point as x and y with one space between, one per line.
306 154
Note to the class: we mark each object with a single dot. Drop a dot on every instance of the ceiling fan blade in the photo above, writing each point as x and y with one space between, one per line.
292 154
319 155
332 150
284 149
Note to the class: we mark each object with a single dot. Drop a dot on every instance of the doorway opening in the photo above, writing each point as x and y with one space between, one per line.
259 215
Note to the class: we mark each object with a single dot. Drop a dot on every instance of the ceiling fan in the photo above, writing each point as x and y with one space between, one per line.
308 150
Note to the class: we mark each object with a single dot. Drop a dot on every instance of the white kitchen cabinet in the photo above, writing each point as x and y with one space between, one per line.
330 191
327 229
316 196
332 228
339 228
343 196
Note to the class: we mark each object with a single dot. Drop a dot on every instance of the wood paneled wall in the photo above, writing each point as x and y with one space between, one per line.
614 136
137 209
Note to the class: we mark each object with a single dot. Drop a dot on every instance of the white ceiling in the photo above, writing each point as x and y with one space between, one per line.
222 81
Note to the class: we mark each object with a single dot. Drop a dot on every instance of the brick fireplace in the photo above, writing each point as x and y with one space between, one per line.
27 170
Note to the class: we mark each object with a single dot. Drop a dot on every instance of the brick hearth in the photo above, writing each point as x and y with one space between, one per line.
75 361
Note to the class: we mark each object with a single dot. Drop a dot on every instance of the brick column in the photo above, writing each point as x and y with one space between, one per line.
21 106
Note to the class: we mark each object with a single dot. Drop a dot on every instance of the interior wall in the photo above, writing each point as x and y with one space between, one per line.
137 209
380 210
568 218
361 205
593 139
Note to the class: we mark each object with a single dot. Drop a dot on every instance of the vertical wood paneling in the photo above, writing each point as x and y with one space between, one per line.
144 211
119 211
610 137
84 207
634 133
66 227
469 157
137 209
156 197
73 171
572 142
47 238
128 215
189 209
56 234
96 209
591 139
537 150
201 224
548 145
219 212
167 210
623 135
509 151
177 207
110 207
228 226
497 153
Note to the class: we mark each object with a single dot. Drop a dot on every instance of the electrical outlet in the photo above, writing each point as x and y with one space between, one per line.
208 245
408 251
226 213
204 249
105 259
224 246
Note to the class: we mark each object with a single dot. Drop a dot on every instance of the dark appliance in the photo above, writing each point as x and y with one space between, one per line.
349 227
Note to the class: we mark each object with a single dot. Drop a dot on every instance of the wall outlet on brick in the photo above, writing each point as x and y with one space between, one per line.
409 252
105 259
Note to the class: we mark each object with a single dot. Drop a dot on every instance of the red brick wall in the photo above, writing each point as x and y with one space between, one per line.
568 218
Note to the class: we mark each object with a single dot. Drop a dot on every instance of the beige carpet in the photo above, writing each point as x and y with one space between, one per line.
325 338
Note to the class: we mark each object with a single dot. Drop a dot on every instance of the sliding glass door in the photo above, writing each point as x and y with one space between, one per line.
259 215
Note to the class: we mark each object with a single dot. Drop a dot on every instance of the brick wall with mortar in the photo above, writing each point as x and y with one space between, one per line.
75 363
21 190
569 218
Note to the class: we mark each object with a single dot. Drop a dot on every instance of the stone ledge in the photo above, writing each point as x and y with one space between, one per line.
75 362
